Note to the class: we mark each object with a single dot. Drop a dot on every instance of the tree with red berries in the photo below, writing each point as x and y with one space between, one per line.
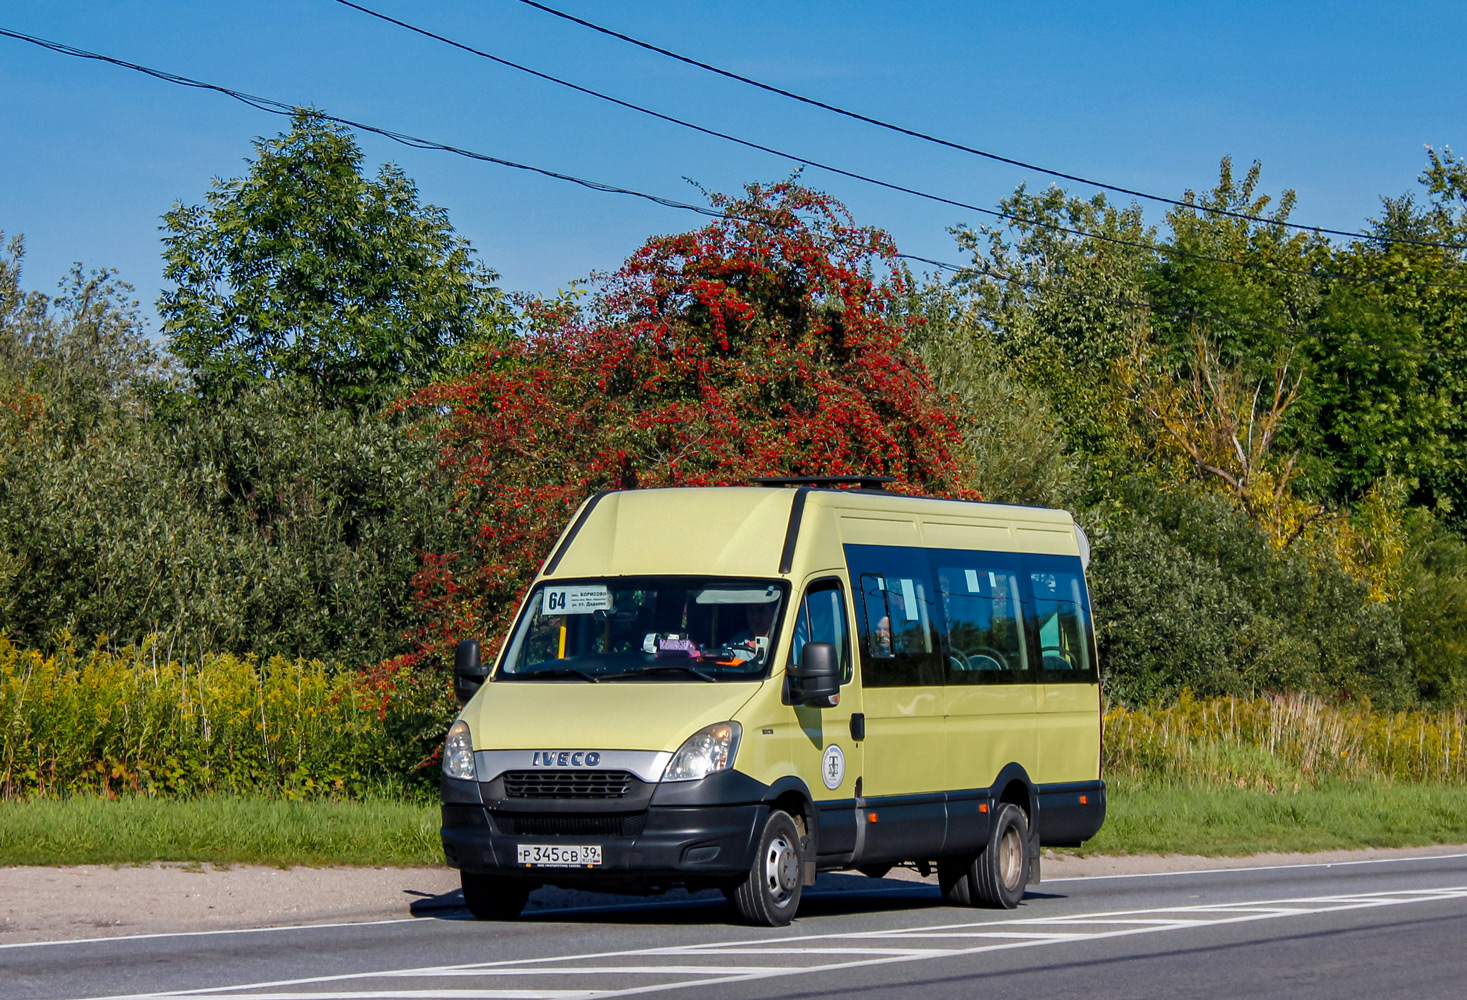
764 343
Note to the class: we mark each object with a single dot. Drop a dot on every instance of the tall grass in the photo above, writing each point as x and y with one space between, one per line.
1278 743
134 721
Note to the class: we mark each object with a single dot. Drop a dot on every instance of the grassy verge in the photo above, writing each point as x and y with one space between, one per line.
218 829
1144 818
1176 818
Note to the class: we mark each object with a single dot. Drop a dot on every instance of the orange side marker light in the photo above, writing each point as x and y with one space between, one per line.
983 807
871 817
1084 800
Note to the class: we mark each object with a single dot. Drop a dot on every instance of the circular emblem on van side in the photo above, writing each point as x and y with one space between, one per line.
833 767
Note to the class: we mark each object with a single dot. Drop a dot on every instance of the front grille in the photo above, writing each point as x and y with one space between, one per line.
570 825
567 784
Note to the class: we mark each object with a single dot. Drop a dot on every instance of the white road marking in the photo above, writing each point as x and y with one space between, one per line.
992 935
1260 868
190 934
581 970
436 995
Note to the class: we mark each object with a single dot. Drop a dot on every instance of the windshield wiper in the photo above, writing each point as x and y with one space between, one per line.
561 672
662 668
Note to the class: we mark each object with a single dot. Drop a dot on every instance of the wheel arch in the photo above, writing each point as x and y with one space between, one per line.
1014 785
793 796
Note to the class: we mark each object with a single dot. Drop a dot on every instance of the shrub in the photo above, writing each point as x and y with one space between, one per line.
1189 594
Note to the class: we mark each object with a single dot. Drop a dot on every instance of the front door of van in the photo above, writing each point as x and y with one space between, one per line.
902 697
823 747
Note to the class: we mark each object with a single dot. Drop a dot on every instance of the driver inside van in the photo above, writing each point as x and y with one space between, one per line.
760 619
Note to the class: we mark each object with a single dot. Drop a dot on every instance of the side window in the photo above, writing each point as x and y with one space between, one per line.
899 644
983 606
1061 618
822 618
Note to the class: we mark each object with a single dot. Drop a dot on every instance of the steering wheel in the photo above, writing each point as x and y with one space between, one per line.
1056 658
984 658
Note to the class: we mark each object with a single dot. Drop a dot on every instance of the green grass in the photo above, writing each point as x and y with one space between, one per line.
1168 818
1144 818
219 829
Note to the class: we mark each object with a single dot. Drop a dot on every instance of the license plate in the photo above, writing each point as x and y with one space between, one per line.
560 855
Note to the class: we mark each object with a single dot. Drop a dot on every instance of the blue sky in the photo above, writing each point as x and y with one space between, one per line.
1336 99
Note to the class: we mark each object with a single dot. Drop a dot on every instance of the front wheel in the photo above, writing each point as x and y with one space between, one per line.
494 897
769 893
997 876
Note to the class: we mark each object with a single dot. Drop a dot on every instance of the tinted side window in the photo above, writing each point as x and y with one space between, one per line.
1062 618
900 645
982 603
822 618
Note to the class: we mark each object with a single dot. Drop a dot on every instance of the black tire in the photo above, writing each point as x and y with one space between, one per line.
494 897
996 877
769 893
952 878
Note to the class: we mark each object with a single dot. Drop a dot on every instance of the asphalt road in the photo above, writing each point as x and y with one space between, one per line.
1359 929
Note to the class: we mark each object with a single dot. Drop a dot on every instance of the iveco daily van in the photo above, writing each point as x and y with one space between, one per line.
741 687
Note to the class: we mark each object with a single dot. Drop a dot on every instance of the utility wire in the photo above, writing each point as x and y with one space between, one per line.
1006 216
950 144
288 110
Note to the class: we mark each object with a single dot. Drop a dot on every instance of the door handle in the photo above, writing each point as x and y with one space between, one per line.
858 726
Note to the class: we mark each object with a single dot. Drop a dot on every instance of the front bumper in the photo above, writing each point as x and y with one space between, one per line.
674 835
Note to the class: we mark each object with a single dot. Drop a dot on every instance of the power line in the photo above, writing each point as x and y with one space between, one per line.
950 144
1006 216
288 110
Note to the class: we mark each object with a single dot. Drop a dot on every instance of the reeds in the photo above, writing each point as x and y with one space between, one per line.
1284 742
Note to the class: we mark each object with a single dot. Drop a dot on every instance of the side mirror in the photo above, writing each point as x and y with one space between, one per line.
469 671
816 681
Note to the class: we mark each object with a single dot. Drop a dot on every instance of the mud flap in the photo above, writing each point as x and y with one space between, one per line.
1032 849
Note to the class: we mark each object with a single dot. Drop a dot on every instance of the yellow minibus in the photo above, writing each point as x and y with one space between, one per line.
739 687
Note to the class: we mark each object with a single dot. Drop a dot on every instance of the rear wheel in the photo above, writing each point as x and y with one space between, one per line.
997 876
494 897
769 894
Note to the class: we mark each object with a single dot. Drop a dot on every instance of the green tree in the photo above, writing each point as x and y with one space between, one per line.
85 346
1011 432
306 270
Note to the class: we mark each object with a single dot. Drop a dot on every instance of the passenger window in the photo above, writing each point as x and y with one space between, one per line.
1061 621
985 619
899 644
822 618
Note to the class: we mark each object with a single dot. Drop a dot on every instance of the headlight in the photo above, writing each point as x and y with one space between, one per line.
705 752
458 752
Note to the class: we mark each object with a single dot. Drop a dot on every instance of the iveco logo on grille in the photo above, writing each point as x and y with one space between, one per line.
565 758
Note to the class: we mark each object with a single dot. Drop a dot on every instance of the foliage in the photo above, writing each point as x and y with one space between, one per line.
1189 593
759 345
305 270
133 721
85 348
1013 436
1226 424
270 525
1433 602
1062 308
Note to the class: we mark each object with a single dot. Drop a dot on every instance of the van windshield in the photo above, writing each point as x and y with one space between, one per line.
647 628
